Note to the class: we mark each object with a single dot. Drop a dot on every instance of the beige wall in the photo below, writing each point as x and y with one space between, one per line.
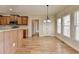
41 27
70 41
47 30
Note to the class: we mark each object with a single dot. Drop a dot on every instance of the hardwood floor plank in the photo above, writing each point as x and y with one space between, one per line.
45 45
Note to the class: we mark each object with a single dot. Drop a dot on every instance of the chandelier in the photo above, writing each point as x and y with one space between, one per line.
47 20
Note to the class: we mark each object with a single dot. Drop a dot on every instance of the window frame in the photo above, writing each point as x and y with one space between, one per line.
59 24
75 24
67 26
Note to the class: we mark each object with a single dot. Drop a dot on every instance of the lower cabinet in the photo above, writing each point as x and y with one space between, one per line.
10 41
13 35
7 42
22 34
20 38
1 43
25 34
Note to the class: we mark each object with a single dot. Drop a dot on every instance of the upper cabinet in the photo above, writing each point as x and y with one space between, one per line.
21 20
8 19
1 20
4 20
24 20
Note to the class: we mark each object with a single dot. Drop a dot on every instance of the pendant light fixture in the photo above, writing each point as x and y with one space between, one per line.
47 20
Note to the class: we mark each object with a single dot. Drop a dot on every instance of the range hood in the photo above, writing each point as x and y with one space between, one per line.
13 21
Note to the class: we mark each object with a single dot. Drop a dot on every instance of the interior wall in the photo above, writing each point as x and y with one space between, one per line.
29 27
70 41
41 26
35 26
47 29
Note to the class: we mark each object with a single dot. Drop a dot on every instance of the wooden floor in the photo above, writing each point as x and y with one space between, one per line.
44 45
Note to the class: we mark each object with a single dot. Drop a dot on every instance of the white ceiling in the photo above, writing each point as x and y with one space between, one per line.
31 10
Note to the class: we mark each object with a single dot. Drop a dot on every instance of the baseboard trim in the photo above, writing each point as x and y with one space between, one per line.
69 44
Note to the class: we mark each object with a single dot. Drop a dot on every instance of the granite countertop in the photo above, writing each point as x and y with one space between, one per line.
8 28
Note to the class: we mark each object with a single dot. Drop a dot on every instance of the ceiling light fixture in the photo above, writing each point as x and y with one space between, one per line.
10 9
47 20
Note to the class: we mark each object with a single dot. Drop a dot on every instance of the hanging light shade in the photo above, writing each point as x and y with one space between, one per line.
47 20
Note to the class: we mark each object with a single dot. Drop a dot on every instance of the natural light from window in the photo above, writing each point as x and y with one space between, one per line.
66 25
59 25
76 20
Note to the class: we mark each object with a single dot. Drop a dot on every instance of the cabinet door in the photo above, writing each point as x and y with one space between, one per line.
1 43
2 21
5 20
25 34
8 19
7 42
13 35
12 18
19 20
24 20
10 41
20 38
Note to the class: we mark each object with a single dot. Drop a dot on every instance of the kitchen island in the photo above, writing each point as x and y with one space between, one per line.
11 39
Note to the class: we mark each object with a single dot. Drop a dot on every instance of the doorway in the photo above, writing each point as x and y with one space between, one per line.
35 27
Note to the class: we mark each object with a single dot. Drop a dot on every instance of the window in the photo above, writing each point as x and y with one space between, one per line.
76 20
66 25
59 25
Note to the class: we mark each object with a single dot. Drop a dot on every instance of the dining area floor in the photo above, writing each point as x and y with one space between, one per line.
44 45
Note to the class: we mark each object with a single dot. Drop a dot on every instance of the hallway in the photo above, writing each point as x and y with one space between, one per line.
44 45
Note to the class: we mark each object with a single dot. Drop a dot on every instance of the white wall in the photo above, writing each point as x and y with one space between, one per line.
70 41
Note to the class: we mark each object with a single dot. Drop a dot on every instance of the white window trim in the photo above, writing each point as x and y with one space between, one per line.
63 26
59 25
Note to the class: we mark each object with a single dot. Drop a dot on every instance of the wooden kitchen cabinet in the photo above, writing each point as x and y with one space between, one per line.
22 34
24 20
1 43
1 21
5 20
25 34
13 18
10 41
19 20
8 19
13 36
20 38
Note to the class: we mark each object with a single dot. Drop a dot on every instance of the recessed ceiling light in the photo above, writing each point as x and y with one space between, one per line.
10 9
